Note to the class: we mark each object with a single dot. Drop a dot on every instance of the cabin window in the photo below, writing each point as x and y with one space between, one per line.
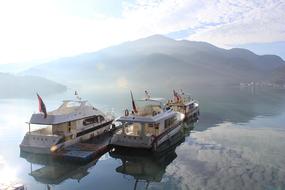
156 126
90 120
93 120
100 118
133 129
150 129
169 122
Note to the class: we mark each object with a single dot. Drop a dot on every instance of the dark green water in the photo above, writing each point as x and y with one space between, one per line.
238 143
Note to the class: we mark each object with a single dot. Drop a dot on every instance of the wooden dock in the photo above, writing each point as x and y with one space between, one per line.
85 151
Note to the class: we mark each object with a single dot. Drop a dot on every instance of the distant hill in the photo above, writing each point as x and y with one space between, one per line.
13 86
160 61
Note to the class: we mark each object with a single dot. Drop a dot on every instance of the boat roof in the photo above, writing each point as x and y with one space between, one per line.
153 99
190 102
182 103
70 110
147 119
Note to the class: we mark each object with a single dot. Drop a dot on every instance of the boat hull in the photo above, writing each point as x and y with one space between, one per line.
192 113
167 135
43 144
152 144
35 150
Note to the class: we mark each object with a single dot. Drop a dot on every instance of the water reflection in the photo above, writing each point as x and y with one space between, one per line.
146 167
143 166
8 174
55 172
238 143
237 105
228 157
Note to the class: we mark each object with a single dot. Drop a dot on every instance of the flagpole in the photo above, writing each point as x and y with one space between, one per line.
133 103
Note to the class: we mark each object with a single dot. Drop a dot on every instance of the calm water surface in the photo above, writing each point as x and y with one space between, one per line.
238 143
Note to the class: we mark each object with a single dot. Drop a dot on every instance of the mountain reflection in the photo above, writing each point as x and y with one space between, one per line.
236 105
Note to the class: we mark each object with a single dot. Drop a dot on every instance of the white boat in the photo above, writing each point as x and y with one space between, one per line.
185 104
74 121
148 126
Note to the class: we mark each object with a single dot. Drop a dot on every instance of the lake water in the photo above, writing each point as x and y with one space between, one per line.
238 143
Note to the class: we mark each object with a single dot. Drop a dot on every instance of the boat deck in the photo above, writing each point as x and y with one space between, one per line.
86 151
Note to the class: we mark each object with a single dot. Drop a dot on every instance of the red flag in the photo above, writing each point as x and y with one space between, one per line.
176 95
42 107
133 104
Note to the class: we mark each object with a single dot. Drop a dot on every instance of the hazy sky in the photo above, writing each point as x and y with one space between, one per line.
41 29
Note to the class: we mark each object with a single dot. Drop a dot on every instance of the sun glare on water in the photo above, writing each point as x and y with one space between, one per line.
8 175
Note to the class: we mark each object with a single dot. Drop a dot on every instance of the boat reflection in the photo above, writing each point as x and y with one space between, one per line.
55 172
146 166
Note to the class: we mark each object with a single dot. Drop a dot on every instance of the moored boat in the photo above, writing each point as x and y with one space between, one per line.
184 103
74 121
147 126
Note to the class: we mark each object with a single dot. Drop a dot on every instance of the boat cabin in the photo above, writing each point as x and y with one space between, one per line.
142 128
184 104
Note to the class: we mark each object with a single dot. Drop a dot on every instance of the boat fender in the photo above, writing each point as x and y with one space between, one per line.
126 112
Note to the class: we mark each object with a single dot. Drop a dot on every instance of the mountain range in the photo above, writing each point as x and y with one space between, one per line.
14 86
158 61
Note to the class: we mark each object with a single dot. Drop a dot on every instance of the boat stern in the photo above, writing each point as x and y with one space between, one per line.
125 140
38 144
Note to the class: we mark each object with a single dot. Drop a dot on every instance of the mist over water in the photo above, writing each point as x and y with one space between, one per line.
238 143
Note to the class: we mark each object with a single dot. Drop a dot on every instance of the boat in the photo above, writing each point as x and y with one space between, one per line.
184 103
148 126
72 122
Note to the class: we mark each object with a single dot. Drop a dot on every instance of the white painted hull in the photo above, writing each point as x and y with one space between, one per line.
43 144
144 143
168 136
131 141
192 113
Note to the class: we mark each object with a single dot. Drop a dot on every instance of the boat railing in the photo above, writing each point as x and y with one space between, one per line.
42 131
37 134
131 137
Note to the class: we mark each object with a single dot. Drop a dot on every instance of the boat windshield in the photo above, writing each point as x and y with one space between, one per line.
186 98
68 107
149 107
151 102
140 129
72 104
